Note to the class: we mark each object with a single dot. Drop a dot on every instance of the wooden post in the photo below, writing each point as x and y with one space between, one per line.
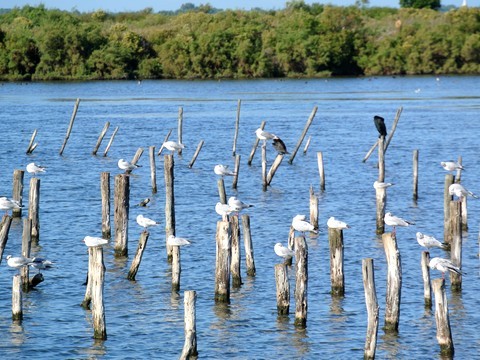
394 282
176 268
17 305
32 146
321 170
164 141
110 142
180 128
98 310
26 247
264 167
464 219
371 150
236 255
337 277
415 175
135 159
301 282
372 308
290 243
299 143
237 126
274 167
87 299
142 244
221 191
122 207
254 149
247 242
169 202
190 346
199 147
70 126
105 193
4 228
100 138
153 169
307 145
17 193
222 265
236 170
449 180
283 289
427 288
458 177
381 160
394 127
313 208
444 335
381 197
33 207
456 244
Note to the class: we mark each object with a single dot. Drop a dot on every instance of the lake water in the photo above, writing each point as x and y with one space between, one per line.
144 319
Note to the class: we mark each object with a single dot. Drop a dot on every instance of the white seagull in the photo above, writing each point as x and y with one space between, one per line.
92 241
172 240
223 170
264 135
34 169
9 204
145 222
173 146
223 210
443 265
301 225
337 224
127 166
382 185
18 262
451 165
394 221
428 241
283 251
460 192
237 205
41 264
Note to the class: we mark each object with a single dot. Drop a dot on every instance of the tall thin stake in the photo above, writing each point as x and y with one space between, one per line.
237 126
70 126
299 143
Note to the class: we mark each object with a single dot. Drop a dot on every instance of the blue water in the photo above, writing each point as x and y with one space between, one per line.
144 319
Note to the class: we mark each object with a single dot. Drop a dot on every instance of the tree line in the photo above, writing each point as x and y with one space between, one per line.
203 43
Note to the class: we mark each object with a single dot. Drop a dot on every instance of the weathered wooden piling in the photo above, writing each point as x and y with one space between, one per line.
135 159
248 246
237 128
4 228
264 167
381 202
110 142
274 167
321 170
464 219
283 289
121 214
307 126
17 193
236 170
394 282
31 145
17 302
153 169
26 247
444 334
449 180
164 141
34 207
415 175
100 138
176 268
168 164
255 144
180 128
313 208
458 177
236 254
221 191
70 126
190 346
290 243
301 282
394 127
105 193
142 244
222 264
337 277
372 308
87 298
369 152
197 151
427 288
305 149
381 160
98 278
456 244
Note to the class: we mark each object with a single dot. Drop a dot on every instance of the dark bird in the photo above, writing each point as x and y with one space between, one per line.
144 202
279 145
380 124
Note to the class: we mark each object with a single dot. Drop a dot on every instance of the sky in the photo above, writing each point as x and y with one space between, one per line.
159 5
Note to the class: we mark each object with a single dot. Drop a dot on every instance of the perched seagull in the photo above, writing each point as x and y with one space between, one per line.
34 169
283 251
380 125
451 165
337 224
301 225
9 204
443 265
382 185
127 166
460 192
41 264
172 240
223 170
92 241
18 262
264 135
144 202
392 220
173 146
237 205
279 145
145 222
223 210
429 241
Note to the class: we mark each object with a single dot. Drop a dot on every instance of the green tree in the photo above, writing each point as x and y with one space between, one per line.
420 4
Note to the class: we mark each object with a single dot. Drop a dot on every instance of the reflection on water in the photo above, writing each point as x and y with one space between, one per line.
17 333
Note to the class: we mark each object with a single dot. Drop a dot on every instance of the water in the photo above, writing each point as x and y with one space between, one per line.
144 319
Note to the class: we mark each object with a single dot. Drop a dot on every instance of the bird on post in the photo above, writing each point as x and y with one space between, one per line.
223 170
34 169
173 146
380 125
460 191
333 223
237 205
146 222
127 166
444 265
279 145
92 241
428 241
283 251
9 204
299 224
451 165
394 221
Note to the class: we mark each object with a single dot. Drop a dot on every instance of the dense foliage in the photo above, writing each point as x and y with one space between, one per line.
298 41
